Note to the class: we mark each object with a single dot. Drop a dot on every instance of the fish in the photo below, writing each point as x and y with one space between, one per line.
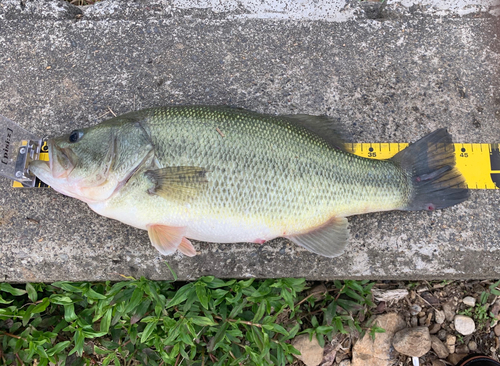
228 175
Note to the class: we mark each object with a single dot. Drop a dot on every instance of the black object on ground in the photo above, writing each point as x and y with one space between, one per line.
478 360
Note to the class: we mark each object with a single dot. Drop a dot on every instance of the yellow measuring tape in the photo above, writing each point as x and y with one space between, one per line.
479 163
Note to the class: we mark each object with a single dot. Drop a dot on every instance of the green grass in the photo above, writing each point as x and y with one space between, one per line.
207 322
480 312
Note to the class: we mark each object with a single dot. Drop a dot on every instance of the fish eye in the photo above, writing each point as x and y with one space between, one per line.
75 136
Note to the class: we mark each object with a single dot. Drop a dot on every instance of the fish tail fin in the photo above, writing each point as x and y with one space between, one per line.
435 182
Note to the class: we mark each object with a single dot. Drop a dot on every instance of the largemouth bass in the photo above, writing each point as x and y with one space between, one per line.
228 175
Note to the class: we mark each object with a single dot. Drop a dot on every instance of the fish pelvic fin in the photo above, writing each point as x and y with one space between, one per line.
429 164
186 248
167 239
178 182
329 240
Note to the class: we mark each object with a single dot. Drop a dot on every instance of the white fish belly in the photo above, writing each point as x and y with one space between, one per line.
209 229
228 231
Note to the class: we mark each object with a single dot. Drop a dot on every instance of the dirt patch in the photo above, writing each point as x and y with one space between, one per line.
6 216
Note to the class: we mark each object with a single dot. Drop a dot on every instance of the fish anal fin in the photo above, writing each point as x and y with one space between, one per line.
186 248
178 182
166 239
328 240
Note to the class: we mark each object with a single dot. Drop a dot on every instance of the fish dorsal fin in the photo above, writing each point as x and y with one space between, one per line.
178 182
166 238
329 240
324 126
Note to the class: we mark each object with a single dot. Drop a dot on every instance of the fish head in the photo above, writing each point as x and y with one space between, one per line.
91 164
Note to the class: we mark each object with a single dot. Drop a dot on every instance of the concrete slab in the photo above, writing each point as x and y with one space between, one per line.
387 74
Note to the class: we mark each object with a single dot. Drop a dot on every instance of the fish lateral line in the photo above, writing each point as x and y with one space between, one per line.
478 163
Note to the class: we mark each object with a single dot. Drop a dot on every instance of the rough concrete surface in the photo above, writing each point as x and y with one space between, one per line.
387 73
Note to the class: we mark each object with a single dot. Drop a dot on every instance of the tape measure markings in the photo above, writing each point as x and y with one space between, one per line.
478 163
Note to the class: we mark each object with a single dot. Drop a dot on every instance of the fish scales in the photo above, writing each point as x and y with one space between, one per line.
267 168
223 174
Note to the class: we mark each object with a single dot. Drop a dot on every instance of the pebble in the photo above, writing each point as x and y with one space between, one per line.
442 334
413 342
381 307
346 362
415 309
439 347
464 324
379 351
434 328
469 301
439 316
311 351
449 312
472 346
428 319
318 292
497 330
413 321
455 358
450 342
422 288
422 320
462 349
495 309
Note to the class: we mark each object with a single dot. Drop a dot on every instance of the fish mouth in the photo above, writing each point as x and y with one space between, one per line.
52 172
61 160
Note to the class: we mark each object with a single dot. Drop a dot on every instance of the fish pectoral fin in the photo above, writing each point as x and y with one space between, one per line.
167 239
328 240
177 181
